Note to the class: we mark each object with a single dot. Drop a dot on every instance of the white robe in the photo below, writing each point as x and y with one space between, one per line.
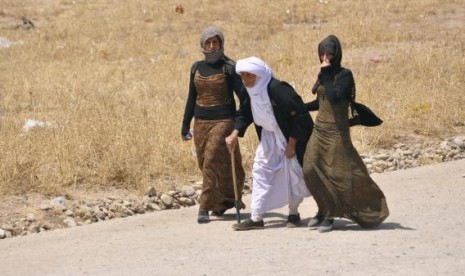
277 180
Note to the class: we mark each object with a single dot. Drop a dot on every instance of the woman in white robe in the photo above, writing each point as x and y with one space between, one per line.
282 122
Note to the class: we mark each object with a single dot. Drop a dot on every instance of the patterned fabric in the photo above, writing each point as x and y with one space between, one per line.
215 163
335 173
213 157
212 90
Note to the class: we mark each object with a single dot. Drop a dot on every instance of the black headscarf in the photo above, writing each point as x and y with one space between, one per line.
331 45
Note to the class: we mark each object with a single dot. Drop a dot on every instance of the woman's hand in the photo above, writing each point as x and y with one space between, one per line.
187 137
231 140
290 148
325 62
326 59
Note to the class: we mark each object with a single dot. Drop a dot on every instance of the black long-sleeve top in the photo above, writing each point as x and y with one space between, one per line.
337 86
218 112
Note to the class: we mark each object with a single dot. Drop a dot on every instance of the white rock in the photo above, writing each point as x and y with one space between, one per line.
58 202
167 200
5 43
31 218
155 207
460 141
7 227
45 207
186 201
70 222
382 157
368 160
188 190
31 124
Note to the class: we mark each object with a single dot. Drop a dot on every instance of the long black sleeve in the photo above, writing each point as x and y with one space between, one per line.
243 117
337 86
313 105
190 104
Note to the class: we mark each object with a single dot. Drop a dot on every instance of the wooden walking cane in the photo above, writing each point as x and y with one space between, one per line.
236 192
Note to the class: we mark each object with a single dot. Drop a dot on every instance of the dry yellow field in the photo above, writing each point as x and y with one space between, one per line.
110 78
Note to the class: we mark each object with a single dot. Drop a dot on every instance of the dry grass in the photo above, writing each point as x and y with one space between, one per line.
113 75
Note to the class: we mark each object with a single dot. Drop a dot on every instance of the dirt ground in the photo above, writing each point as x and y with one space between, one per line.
422 236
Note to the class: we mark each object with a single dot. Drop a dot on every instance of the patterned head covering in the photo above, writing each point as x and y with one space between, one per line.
212 56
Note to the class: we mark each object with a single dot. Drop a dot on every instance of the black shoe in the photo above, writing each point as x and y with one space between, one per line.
293 221
203 217
315 221
248 224
326 225
219 213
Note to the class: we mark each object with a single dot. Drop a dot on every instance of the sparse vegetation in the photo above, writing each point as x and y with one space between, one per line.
112 77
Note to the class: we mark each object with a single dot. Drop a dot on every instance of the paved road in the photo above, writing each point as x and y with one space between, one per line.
424 235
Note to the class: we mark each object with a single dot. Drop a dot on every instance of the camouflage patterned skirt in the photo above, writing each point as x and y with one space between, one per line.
214 161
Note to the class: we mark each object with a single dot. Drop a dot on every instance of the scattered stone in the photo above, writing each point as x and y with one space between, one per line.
188 191
185 201
69 213
70 222
460 141
45 207
8 234
151 192
7 227
78 213
31 124
155 207
31 218
5 43
167 200
404 157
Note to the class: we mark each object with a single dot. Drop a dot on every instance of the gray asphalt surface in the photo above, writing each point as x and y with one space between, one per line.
424 235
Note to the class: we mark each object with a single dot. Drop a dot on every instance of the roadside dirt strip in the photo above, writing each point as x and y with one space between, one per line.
424 235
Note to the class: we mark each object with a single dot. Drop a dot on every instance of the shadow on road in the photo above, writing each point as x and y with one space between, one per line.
277 220
347 225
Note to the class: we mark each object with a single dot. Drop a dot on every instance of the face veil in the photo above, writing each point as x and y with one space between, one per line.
212 56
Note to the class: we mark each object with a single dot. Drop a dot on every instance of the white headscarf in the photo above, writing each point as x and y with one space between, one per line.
262 110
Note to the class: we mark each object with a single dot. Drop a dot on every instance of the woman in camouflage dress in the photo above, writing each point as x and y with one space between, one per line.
210 101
